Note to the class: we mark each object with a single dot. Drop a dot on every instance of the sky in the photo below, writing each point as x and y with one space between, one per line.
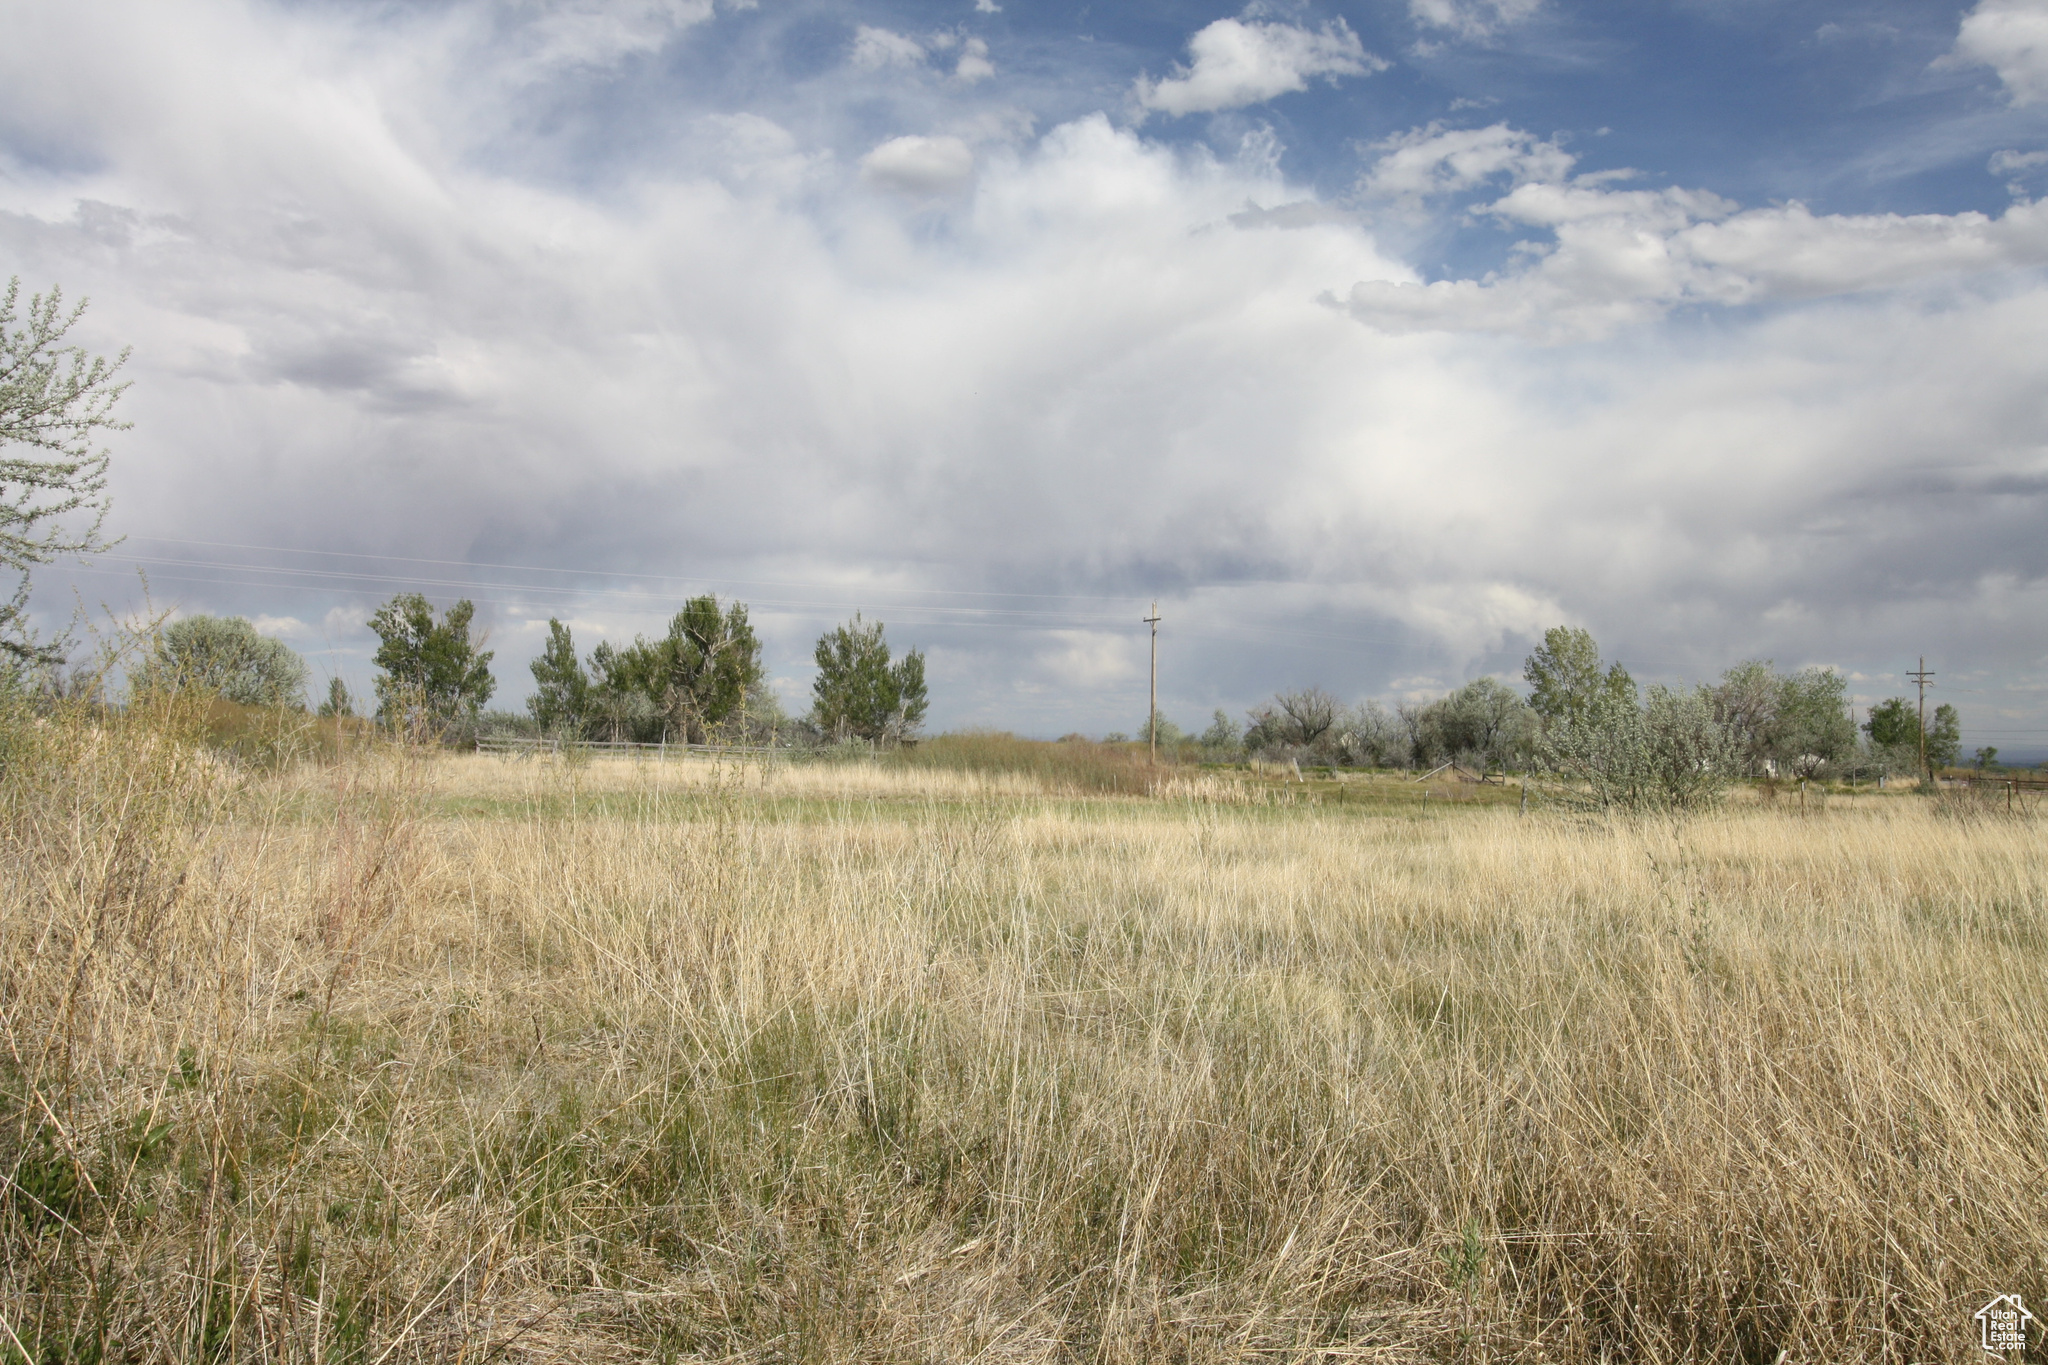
1368 339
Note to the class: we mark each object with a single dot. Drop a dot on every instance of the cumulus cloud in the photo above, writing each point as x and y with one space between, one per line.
919 165
2010 37
974 64
1237 63
1472 18
1620 256
1428 162
601 32
877 48
290 627
2017 167
1072 371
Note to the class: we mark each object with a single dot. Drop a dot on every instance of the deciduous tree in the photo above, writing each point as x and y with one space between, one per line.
561 691
1485 722
1894 728
1224 736
1298 719
224 655
858 692
1668 754
1566 680
339 703
1894 725
54 400
430 669
1797 722
1944 737
712 662
694 683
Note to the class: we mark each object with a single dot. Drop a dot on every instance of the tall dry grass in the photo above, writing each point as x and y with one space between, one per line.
1073 764
414 1058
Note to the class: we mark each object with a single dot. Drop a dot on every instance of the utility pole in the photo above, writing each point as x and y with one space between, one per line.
1923 677
1152 717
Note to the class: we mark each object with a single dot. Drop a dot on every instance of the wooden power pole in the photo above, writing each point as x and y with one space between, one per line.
1152 717
1923 677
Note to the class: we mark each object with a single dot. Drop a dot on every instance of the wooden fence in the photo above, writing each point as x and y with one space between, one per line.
1997 782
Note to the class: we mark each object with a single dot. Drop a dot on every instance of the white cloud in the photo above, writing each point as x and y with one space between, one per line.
2017 167
1622 256
2010 37
1238 63
1432 161
290 627
919 165
974 64
877 48
987 7
1472 18
604 32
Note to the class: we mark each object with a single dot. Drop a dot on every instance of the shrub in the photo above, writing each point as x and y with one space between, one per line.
859 693
1669 754
225 656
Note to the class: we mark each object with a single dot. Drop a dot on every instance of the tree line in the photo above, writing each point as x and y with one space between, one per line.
700 682
703 679
1587 719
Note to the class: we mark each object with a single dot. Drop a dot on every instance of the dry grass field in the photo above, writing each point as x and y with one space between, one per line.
426 1058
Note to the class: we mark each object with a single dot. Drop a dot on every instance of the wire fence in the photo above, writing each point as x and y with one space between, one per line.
521 746
1997 782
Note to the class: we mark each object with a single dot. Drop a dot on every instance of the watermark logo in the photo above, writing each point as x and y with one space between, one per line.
2004 1324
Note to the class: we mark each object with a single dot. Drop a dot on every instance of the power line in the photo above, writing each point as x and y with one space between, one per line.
408 580
612 573
1323 641
879 589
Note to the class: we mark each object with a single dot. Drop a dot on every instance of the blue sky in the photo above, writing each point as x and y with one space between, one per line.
1369 338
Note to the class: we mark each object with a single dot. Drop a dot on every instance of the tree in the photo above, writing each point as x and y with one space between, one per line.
53 501
620 681
858 692
225 656
1297 720
1167 732
1484 722
1944 738
1812 730
429 666
1892 725
561 693
1746 704
1987 758
1370 735
694 683
339 703
1565 678
1798 722
1668 754
1223 735
712 662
